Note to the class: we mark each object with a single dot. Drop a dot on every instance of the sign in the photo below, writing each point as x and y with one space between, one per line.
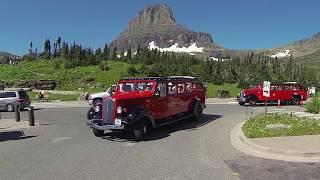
313 90
266 88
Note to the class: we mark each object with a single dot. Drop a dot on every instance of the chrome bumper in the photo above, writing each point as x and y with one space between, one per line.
103 127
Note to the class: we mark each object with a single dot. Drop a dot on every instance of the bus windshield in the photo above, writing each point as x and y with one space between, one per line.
134 86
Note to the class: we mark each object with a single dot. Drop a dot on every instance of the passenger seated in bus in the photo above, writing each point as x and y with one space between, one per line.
180 88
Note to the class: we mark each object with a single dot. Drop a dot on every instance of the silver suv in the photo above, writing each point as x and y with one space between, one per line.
9 99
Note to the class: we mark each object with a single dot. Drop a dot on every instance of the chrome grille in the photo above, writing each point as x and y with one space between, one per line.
108 109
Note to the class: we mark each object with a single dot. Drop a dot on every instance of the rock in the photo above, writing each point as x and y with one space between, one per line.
277 126
157 23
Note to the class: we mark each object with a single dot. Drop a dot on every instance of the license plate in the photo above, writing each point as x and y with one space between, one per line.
117 122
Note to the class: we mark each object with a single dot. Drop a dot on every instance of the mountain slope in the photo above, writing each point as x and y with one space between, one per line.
157 23
299 48
310 60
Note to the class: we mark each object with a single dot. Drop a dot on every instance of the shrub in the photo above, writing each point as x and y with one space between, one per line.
70 63
103 66
132 71
313 106
56 65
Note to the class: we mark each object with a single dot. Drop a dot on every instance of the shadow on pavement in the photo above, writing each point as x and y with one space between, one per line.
164 131
13 135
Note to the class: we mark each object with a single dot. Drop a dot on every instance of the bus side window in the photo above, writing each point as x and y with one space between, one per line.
172 89
194 86
188 87
181 88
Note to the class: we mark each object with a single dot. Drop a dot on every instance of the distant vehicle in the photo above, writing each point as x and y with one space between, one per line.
290 92
140 104
9 99
97 98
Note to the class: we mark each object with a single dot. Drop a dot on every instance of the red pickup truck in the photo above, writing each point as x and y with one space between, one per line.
140 104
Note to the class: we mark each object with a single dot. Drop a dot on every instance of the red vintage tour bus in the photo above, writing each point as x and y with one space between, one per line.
140 104
290 92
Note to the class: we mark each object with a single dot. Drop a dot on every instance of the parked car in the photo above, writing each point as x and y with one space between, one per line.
285 92
97 98
140 104
9 99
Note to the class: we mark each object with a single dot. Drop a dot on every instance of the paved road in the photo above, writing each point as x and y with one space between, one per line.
64 148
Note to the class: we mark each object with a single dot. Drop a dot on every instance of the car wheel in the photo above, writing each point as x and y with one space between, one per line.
252 102
97 102
198 113
98 132
295 101
241 103
141 131
10 108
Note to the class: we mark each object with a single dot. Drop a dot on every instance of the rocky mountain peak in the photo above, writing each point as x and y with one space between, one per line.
154 18
157 23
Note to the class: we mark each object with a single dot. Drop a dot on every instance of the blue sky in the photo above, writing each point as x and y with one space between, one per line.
234 24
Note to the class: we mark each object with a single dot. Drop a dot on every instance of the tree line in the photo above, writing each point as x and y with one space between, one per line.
245 71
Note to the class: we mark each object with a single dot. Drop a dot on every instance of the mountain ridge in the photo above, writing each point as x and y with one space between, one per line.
157 23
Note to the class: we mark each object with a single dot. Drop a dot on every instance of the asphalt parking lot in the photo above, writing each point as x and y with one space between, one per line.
63 147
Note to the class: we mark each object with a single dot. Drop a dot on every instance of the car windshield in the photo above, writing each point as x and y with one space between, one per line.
135 86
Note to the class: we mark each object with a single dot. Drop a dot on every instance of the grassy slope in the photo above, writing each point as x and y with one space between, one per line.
311 60
72 79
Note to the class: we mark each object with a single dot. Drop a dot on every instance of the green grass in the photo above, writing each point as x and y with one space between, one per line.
68 79
314 105
255 126
232 88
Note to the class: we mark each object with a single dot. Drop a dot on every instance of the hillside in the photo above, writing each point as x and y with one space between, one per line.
89 77
311 60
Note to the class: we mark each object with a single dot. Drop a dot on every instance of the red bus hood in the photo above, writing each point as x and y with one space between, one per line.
132 95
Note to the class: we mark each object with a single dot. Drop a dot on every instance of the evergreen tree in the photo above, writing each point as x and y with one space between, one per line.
30 49
98 54
106 52
114 53
47 49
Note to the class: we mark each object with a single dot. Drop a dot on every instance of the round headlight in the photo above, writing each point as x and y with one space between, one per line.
119 110
96 108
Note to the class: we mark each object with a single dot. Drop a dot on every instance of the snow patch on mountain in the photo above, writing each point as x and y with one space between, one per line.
174 48
214 58
281 54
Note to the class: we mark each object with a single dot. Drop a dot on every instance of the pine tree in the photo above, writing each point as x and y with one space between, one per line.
129 54
114 53
98 54
30 48
47 49
106 52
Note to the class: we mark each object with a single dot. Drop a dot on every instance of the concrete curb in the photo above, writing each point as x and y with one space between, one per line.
245 145
11 124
